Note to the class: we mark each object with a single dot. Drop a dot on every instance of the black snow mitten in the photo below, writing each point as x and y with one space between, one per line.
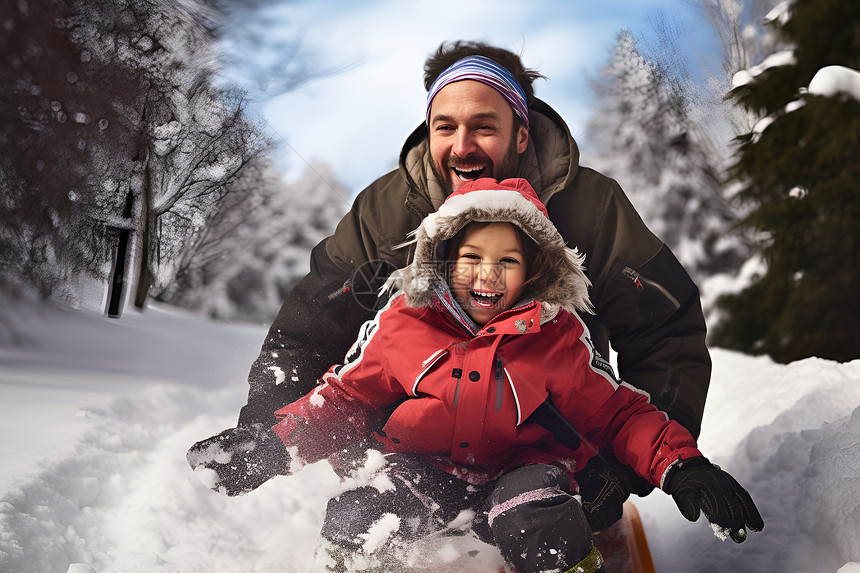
697 484
604 486
242 459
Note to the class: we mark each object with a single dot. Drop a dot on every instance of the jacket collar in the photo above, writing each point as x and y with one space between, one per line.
522 318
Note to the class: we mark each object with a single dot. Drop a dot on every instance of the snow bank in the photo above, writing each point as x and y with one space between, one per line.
96 416
789 433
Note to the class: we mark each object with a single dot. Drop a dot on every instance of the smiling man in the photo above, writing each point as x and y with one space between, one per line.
483 120
472 127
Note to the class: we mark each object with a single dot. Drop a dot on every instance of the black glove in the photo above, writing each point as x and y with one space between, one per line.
604 486
698 484
242 458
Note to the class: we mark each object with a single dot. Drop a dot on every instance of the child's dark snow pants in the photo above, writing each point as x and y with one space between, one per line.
529 513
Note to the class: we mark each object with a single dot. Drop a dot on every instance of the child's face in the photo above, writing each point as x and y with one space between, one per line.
489 271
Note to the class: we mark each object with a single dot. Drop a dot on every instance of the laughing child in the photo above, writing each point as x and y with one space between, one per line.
480 385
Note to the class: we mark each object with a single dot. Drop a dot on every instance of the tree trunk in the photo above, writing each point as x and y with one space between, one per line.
147 232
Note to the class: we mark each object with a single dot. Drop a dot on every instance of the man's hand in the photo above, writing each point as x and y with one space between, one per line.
604 486
699 485
239 460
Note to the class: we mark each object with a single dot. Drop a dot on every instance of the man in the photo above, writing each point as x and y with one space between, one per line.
483 120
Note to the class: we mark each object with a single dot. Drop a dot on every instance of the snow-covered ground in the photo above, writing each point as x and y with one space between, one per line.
96 416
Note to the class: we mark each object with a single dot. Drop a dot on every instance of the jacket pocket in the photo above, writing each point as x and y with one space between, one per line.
653 301
427 366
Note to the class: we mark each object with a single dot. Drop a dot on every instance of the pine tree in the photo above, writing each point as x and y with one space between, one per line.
645 136
800 174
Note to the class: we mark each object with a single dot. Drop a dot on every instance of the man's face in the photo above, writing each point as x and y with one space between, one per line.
472 135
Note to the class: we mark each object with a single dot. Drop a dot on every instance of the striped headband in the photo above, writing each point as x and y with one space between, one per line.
484 70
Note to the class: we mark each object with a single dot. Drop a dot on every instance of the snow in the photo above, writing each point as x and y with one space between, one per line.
783 58
831 81
279 374
380 532
96 416
780 14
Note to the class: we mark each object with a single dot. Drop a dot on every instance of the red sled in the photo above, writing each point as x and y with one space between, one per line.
623 544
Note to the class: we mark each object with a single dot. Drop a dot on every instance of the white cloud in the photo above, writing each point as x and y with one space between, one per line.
358 119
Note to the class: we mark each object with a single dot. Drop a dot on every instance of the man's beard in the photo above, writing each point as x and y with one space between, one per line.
507 168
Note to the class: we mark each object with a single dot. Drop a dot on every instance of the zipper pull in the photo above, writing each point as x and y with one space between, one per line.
634 276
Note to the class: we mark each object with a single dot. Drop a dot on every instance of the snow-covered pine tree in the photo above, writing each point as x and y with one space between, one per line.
643 134
800 172
258 246
745 39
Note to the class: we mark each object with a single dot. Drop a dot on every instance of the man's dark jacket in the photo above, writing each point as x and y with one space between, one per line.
647 306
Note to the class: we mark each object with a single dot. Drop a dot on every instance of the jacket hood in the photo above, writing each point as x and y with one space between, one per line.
487 200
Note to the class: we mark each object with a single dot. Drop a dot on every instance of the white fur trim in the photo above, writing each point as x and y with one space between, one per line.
491 205
494 205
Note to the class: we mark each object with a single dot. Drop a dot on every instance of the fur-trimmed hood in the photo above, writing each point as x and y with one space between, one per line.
487 200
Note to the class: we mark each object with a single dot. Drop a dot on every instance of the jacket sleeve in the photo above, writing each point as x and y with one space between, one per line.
612 414
321 316
645 300
347 405
639 435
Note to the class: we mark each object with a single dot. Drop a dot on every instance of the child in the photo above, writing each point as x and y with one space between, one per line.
489 396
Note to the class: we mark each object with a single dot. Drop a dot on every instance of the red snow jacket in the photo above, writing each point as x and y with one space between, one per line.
463 401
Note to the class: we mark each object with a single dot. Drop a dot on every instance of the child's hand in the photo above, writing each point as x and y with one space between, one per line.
239 460
698 484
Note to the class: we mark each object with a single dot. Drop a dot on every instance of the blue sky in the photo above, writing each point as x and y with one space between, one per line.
357 119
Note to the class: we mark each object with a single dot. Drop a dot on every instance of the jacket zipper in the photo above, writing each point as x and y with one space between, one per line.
499 384
511 311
